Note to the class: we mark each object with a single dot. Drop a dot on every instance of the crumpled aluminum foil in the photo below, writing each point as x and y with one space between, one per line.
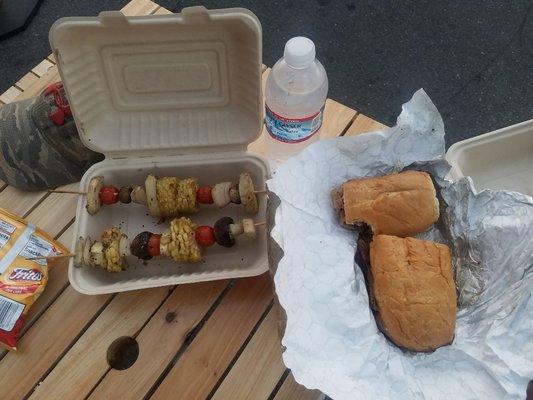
331 339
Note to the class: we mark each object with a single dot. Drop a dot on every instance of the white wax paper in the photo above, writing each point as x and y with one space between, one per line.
331 339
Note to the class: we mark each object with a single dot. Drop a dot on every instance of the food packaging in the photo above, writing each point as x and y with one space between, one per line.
21 280
331 339
496 160
172 95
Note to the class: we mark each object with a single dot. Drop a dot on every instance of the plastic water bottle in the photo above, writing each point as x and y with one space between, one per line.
296 91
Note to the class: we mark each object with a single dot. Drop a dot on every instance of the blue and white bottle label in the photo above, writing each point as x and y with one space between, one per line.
292 130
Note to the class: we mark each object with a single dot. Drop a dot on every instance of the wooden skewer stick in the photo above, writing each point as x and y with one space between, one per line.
85 193
67 191
66 255
260 223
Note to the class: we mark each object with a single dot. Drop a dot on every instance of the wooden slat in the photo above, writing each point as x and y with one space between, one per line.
26 81
42 68
52 58
51 76
56 211
336 119
22 203
140 7
162 10
18 201
259 145
363 124
208 356
258 368
189 303
85 363
291 390
45 341
10 95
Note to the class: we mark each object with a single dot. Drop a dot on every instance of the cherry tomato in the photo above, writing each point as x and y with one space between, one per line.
154 244
109 194
203 195
205 236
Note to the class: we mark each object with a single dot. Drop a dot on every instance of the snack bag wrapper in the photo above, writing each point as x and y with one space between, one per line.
21 280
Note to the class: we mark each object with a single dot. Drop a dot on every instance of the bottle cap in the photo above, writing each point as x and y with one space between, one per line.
299 52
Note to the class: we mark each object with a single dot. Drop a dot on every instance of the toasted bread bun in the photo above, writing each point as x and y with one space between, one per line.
414 291
400 204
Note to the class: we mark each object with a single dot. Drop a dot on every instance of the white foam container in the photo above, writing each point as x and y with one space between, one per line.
501 159
173 95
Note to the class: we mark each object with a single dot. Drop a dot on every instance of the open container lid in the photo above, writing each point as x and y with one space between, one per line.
501 159
162 84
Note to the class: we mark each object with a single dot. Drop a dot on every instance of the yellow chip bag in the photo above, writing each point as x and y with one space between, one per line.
21 280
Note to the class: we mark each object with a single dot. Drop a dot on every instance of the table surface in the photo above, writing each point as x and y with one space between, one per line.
208 340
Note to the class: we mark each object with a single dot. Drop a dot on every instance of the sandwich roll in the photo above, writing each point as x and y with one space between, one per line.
413 291
399 204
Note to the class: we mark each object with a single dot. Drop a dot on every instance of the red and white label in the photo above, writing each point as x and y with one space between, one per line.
292 130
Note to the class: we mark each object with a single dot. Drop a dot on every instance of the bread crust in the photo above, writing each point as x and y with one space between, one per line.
414 292
400 204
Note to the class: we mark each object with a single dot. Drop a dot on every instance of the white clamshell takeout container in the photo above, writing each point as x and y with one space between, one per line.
173 95
502 159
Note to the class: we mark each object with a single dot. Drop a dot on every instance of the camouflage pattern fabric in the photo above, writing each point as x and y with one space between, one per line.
37 152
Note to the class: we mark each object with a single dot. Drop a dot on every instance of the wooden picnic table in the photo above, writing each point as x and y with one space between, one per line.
208 340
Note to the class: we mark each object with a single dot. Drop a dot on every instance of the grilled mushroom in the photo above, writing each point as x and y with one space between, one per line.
139 246
124 194
223 234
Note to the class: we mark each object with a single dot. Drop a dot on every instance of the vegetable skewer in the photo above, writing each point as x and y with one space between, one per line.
182 242
171 196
